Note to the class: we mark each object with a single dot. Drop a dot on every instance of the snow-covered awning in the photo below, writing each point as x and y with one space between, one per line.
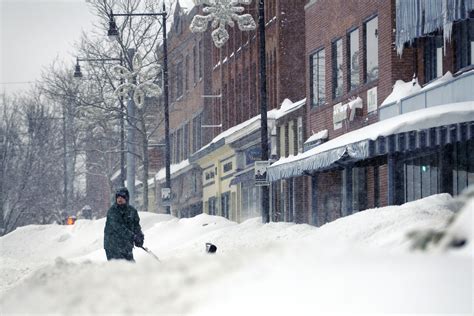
416 18
359 144
317 136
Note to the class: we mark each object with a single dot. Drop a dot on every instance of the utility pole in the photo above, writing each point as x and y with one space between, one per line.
131 138
166 105
263 107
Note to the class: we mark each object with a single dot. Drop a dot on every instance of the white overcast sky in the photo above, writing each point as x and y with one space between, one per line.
34 33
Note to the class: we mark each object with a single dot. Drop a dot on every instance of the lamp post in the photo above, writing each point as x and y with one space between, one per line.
78 74
263 106
221 13
113 33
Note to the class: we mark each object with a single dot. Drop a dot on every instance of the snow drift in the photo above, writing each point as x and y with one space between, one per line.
360 264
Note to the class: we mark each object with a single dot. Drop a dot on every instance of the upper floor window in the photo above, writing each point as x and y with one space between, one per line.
371 46
300 136
227 167
318 78
337 68
179 79
201 58
433 57
353 59
195 64
464 43
186 73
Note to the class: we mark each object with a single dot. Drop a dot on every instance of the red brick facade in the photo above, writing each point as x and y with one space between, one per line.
236 65
326 22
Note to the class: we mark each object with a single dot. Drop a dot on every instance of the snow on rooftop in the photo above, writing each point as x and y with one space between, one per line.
448 76
250 126
417 120
287 106
402 89
174 170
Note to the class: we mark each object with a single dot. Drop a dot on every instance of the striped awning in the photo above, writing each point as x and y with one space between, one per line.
400 142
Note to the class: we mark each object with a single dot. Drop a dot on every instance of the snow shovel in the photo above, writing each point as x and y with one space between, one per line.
150 252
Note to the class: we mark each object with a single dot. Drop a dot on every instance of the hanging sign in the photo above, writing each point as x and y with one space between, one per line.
261 172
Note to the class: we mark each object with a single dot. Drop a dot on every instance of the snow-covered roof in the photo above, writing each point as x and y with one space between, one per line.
253 124
287 106
333 150
175 170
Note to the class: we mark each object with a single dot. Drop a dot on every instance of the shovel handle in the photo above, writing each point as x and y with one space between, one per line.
150 252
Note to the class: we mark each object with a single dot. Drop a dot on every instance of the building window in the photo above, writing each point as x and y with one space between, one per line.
201 58
179 79
197 133
225 204
186 141
209 175
195 64
353 59
282 141
371 49
433 57
227 167
463 166
212 206
300 135
172 146
186 73
359 189
318 78
179 144
464 43
336 50
421 177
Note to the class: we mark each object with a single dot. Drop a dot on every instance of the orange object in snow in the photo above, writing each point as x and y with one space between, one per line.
70 220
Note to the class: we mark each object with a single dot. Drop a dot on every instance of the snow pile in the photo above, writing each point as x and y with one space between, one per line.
402 89
357 264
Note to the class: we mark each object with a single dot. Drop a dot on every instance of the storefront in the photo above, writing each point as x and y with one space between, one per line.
400 159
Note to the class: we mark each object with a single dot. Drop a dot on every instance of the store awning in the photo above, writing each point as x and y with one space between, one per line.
407 132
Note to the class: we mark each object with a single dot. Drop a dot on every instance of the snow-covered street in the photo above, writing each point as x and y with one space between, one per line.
360 264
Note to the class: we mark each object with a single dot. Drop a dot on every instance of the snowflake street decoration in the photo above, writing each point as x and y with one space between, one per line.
222 12
139 81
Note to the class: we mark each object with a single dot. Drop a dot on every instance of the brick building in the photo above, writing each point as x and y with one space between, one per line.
235 79
235 65
189 69
357 161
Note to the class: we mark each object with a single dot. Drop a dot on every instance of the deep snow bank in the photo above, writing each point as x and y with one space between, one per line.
357 264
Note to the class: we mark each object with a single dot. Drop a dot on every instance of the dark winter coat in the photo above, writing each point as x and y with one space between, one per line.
122 225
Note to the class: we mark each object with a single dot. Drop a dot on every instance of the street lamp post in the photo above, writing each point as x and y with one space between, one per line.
263 106
78 74
113 32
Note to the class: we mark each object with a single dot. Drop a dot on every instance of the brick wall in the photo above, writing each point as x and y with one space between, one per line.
239 58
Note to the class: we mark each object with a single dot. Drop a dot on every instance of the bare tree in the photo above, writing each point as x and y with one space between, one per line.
30 178
142 34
